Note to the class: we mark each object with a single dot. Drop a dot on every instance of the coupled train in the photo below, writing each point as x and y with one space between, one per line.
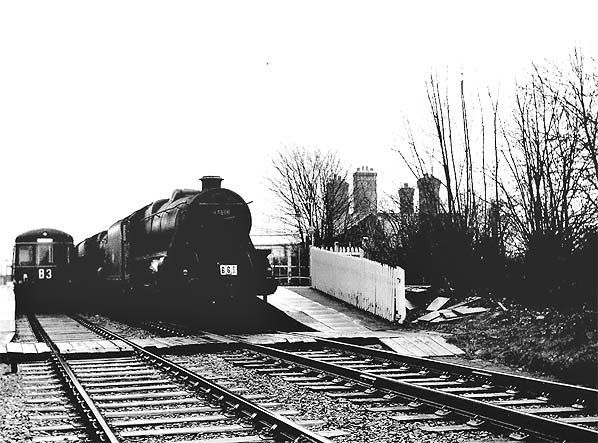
190 250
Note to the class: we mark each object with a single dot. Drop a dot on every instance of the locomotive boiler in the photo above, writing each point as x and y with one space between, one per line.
194 246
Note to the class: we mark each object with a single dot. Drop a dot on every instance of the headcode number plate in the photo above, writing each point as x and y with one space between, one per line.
228 269
44 274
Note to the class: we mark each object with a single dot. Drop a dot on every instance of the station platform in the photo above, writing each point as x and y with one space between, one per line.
334 319
326 317
7 315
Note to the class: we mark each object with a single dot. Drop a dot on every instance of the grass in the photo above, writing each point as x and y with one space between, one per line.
559 343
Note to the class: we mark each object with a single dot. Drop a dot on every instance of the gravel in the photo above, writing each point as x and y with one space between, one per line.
118 327
361 425
14 420
23 332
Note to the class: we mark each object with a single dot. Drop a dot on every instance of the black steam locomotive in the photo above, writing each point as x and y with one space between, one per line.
41 268
192 249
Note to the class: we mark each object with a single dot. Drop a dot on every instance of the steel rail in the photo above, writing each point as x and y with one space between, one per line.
266 420
565 393
503 417
562 392
92 418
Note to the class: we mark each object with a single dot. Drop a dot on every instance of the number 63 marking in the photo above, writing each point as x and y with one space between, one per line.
44 273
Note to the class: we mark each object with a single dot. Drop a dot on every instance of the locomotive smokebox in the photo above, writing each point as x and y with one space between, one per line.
210 182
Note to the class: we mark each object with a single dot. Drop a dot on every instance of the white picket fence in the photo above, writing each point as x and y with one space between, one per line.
352 251
366 284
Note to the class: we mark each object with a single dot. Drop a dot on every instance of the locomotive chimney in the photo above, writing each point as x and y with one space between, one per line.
210 182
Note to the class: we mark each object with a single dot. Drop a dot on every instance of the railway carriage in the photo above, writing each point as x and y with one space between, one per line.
41 268
190 250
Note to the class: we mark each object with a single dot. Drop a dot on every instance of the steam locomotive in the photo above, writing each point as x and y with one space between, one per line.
41 268
190 250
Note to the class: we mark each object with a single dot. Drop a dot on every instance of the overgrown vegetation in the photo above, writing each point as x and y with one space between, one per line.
519 212
561 343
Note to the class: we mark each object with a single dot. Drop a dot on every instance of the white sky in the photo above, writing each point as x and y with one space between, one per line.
107 106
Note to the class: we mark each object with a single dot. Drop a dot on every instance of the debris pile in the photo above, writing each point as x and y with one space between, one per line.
439 309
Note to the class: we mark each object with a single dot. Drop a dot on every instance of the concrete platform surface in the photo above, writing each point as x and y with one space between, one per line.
331 318
364 319
7 315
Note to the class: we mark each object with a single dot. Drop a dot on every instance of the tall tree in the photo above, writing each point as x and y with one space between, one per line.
312 192
551 155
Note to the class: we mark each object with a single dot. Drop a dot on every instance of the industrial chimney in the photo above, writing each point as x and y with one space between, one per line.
210 182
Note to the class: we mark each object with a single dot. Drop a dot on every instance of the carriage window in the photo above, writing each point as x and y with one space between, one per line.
45 254
25 255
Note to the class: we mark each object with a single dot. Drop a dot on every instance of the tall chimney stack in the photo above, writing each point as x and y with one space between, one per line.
429 198
365 196
406 199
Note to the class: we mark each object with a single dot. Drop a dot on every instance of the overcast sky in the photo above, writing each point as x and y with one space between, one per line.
107 106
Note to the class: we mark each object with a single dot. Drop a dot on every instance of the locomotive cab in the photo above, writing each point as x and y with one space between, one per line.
40 267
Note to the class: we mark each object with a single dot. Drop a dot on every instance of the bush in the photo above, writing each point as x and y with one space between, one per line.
444 253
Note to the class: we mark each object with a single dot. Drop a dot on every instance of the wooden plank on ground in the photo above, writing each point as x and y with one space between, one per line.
437 303
42 348
172 341
417 417
433 346
94 346
423 348
447 313
29 348
466 310
449 428
161 343
454 350
429 316
409 305
108 346
442 319
121 345
80 347
65 347
402 346
14 348
144 342
186 430
464 302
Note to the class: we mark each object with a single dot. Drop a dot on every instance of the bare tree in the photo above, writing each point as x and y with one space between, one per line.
551 156
542 214
312 192
579 94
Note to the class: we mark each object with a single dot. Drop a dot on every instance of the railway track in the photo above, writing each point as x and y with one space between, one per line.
141 396
421 389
